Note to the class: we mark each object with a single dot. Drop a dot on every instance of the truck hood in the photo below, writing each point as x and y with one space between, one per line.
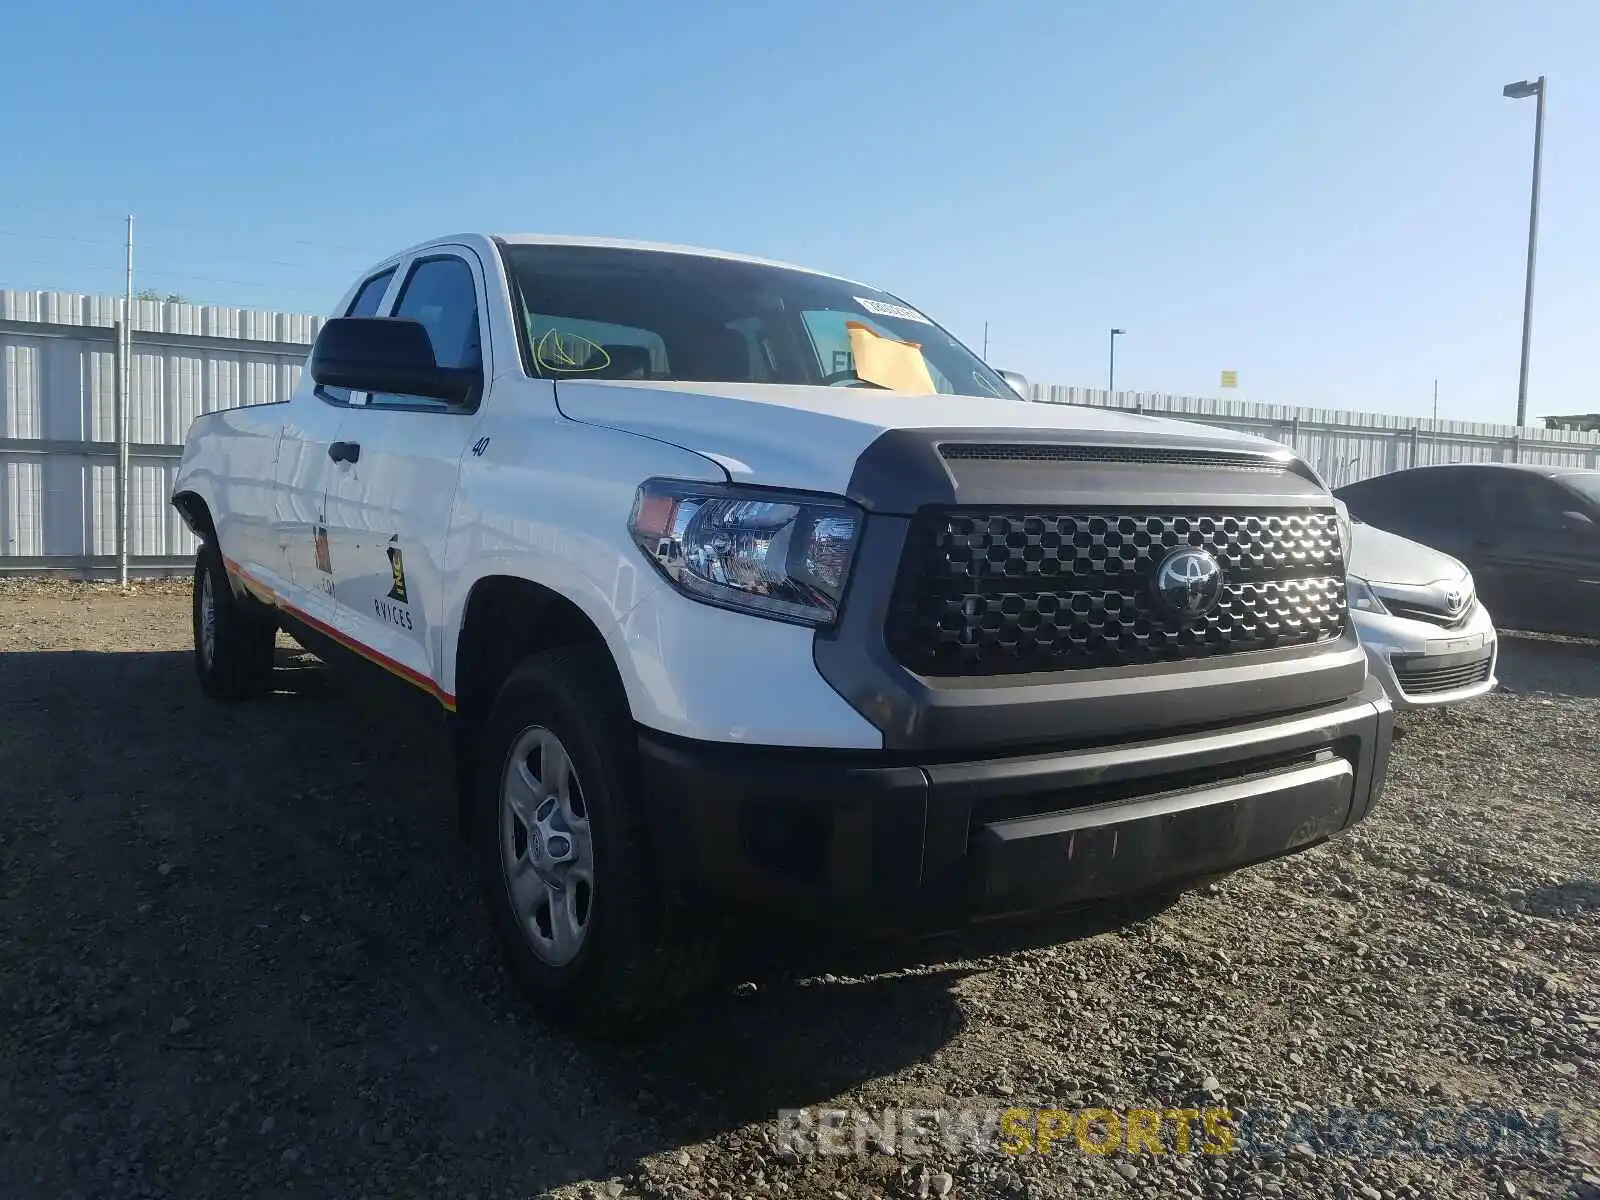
1382 557
811 437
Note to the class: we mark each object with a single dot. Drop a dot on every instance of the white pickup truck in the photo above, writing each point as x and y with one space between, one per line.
739 583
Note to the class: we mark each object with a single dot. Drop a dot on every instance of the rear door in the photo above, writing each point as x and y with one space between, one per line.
305 468
389 508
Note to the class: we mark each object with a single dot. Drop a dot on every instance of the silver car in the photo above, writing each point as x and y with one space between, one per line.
1427 636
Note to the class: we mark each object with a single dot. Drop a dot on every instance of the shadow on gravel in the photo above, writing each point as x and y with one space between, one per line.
812 956
827 1016
1575 898
244 955
1562 668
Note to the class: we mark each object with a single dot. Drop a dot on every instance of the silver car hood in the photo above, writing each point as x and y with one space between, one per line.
1381 557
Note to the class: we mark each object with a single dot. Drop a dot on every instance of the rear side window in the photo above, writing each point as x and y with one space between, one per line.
368 297
441 295
1411 501
1435 501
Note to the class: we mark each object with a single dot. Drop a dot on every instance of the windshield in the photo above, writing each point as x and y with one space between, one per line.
1585 483
595 312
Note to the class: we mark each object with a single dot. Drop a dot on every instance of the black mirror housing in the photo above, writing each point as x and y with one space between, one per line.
1018 382
387 354
1578 522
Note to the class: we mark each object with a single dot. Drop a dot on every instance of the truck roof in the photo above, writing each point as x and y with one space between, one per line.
548 239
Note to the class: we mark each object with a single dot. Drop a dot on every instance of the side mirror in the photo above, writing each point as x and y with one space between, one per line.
1577 522
1018 382
387 354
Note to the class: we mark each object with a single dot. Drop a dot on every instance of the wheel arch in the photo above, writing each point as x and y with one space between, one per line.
505 619
196 514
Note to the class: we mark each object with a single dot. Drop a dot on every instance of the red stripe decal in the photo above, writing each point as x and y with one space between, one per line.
398 669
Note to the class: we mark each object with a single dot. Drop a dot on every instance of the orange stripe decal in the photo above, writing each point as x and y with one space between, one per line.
397 669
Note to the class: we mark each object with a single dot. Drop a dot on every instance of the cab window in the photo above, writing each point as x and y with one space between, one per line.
442 296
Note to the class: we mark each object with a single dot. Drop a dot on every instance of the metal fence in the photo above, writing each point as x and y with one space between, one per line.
1346 446
62 409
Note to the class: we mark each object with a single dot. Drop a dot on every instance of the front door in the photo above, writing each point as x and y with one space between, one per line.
1538 566
389 509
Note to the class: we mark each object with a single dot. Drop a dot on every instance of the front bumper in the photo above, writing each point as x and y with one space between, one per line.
896 843
1422 665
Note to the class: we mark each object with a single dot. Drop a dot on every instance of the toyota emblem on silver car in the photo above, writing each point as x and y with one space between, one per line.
1454 598
1189 582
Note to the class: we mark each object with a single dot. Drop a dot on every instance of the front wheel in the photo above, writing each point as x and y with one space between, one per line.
580 916
233 643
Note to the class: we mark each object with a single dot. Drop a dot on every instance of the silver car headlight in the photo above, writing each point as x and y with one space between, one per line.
783 555
1360 596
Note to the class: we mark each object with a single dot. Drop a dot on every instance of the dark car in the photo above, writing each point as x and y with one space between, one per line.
1530 535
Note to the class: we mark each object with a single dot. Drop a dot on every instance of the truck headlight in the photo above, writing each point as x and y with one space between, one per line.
1361 597
1346 529
775 554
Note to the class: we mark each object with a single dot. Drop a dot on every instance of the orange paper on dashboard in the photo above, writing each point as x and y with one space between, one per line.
898 366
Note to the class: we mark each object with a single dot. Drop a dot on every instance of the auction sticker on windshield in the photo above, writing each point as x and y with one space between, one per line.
884 309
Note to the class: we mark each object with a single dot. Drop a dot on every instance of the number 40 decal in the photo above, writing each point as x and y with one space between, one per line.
479 446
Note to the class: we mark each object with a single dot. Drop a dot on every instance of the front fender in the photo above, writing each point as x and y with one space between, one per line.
548 501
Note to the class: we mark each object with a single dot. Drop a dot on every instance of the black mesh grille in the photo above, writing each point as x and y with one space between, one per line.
1160 455
1433 616
993 593
1417 678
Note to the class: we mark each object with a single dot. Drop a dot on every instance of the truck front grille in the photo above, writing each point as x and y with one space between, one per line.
1005 592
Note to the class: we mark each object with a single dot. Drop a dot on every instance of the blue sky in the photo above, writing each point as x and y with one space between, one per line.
1330 199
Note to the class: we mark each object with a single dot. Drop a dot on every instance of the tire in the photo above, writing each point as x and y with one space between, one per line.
233 656
632 959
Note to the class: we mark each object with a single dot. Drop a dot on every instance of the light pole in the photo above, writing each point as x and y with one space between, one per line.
1521 91
1111 370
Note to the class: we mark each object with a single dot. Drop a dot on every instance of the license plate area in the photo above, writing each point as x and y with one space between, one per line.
1128 847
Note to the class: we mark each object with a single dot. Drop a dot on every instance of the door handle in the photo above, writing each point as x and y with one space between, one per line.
349 452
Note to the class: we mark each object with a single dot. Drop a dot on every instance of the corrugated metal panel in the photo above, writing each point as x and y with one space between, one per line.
22 504
65 497
22 396
101 366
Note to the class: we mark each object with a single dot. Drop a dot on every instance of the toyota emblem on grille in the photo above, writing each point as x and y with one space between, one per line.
1454 598
1189 582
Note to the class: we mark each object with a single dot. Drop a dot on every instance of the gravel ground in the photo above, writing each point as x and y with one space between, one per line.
243 956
